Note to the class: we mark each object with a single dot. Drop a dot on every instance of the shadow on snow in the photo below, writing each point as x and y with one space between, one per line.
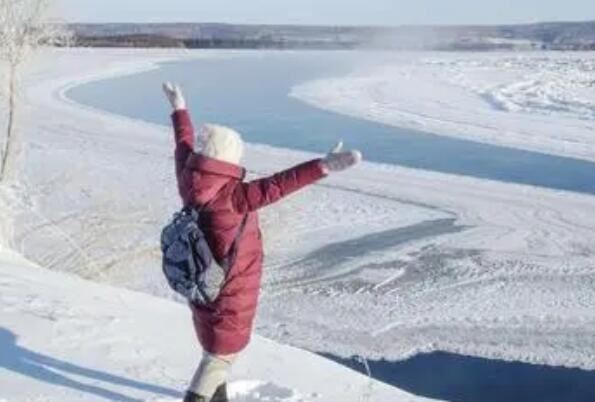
57 372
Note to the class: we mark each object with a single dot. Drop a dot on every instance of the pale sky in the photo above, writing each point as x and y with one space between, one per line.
348 12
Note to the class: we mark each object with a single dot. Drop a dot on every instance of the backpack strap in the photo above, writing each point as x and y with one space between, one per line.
232 253
233 250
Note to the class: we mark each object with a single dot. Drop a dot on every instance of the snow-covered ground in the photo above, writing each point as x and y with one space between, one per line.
536 101
381 261
66 339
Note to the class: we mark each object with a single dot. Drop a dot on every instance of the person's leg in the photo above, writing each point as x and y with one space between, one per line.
220 394
210 378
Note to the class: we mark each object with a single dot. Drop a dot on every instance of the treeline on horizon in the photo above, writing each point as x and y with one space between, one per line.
543 36
144 40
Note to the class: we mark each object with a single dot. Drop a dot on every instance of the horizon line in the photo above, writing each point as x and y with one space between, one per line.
328 25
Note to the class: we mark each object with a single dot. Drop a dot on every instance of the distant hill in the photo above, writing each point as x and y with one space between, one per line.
554 36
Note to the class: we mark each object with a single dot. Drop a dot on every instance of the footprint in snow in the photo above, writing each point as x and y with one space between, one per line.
257 391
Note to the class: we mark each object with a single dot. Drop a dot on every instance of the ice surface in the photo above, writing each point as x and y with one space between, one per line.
381 261
535 101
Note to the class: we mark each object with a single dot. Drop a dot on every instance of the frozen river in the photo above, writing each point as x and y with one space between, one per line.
249 91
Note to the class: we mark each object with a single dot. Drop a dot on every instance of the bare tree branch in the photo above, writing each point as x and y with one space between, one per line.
25 26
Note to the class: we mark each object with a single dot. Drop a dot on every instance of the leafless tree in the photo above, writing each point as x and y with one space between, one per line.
25 26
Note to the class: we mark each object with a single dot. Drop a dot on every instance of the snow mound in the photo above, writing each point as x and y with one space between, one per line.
542 85
66 339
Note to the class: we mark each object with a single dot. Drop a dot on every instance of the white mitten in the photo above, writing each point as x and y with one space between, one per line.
337 160
174 95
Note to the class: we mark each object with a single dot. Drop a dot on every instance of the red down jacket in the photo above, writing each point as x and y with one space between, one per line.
201 180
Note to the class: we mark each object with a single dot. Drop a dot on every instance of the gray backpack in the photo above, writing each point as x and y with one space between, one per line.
188 263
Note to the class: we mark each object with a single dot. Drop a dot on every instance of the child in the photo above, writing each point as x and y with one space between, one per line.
212 177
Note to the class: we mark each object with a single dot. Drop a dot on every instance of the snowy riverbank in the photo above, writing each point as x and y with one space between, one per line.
67 339
384 261
535 101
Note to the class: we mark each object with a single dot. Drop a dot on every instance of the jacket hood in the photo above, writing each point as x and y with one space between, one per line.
203 163
209 176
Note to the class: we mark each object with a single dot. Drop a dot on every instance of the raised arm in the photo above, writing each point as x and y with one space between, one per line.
184 137
182 123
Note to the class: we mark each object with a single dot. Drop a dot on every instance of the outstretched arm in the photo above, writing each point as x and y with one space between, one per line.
182 123
260 193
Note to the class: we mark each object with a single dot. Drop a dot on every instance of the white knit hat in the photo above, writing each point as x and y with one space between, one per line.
220 142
